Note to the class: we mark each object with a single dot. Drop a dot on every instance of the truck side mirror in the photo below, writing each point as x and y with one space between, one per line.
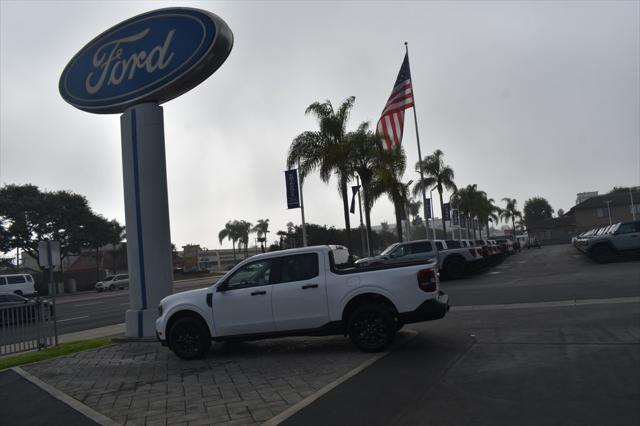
221 287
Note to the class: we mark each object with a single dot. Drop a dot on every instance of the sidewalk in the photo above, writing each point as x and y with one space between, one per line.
143 383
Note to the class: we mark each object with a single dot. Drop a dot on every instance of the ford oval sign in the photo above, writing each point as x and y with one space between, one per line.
153 57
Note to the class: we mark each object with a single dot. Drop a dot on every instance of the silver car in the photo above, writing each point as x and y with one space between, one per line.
111 282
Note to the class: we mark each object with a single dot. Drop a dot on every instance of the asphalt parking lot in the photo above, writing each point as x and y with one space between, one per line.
547 338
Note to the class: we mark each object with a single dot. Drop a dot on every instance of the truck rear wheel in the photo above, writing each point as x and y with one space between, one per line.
189 338
372 327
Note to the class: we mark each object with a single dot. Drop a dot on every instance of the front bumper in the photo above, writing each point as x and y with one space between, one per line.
429 310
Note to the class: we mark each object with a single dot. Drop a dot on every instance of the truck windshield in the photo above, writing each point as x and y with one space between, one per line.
389 249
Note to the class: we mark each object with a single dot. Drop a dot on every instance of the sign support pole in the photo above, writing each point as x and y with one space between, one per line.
147 216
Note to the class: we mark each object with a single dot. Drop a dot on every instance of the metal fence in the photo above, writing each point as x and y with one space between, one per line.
26 326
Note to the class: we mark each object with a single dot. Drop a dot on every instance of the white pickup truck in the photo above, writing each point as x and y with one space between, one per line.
307 291
453 262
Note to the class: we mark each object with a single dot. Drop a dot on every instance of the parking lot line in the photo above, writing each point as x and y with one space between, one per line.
74 318
553 304
313 397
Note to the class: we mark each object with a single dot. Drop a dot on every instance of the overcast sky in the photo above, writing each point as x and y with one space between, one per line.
524 98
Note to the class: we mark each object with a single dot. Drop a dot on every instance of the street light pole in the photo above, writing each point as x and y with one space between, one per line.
609 210
433 218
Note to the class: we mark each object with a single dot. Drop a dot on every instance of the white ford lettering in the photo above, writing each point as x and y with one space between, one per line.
113 66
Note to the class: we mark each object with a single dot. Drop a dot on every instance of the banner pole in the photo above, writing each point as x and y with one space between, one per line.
415 119
304 224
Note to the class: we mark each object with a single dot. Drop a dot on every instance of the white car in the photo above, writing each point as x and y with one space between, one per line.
112 282
305 291
21 284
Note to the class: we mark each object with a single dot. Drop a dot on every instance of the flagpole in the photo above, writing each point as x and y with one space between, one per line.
415 119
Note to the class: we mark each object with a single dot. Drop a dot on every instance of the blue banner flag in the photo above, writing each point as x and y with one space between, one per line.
293 194
446 214
455 217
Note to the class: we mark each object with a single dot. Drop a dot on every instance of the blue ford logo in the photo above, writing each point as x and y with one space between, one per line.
153 57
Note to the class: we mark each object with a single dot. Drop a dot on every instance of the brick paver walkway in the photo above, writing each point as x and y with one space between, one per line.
245 383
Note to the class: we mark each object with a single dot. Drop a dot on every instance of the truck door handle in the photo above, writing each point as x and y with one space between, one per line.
306 286
258 293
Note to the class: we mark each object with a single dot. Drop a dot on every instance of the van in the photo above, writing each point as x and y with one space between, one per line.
21 284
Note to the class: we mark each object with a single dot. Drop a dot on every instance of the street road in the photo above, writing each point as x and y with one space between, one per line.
514 350
87 310
536 275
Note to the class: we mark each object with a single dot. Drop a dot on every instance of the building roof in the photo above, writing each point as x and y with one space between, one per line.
617 199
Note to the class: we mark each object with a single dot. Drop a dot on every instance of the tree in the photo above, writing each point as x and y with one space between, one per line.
261 228
560 212
488 212
388 180
326 150
231 233
117 234
437 174
98 232
29 215
243 228
511 213
469 201
365 155
536 209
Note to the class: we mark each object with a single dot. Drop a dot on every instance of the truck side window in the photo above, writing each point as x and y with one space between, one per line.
299 267
421 247
250 275
439 245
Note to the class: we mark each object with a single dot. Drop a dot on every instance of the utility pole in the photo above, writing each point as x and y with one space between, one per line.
633 208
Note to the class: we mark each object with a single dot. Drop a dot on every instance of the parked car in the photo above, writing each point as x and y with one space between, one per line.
304 291
618 239
112 282
20 284
452 262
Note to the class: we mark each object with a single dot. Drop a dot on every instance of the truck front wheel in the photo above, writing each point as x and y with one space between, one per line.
602 253
372 327
189 338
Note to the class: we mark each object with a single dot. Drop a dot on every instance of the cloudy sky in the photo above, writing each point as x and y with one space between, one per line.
524 98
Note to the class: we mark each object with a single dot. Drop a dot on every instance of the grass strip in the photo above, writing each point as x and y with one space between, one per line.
52 352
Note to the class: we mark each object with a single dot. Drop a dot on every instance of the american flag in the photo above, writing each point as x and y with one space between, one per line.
391 123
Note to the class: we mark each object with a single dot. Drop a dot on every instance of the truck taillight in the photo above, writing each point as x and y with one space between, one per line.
427 280
473 252
479 251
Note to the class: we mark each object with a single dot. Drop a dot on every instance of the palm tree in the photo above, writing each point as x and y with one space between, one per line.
488 212
437 174
243 228
510 212
261 228
364 155
325 149
469 201
229 232
388 179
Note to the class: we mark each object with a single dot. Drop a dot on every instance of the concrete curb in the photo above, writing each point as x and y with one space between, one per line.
101 419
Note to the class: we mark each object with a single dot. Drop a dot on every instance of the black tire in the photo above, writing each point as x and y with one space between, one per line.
602 253
372 327
112 287
454 268
189 338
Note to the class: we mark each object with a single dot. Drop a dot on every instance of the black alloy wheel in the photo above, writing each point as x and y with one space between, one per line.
372 328
189 338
